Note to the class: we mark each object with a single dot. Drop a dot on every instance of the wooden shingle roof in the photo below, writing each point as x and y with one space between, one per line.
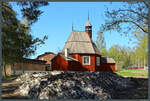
46 53
108 60
80 42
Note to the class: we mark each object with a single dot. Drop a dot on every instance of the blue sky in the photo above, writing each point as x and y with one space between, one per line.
56 23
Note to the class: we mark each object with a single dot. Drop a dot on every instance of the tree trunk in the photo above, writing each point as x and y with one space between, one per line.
5 74
14 69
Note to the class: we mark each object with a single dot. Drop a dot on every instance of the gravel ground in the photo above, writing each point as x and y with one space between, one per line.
78 85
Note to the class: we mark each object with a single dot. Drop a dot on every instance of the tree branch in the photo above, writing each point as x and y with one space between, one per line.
130 10
120 21
147 4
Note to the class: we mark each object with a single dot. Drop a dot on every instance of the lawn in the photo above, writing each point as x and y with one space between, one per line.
139 73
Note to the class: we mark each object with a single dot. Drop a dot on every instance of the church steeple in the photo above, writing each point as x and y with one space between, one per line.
88 27
72 26
88 15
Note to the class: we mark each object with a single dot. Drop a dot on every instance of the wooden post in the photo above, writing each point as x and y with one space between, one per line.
22 67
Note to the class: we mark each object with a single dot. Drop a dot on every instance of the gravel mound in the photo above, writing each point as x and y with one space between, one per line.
72 85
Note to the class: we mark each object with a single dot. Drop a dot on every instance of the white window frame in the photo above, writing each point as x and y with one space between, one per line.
86 63
98 62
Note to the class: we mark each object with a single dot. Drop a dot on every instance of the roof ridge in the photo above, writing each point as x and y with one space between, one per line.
45 54
79 41
78 31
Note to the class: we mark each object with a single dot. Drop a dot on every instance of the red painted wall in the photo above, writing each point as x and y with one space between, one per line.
92 65
59 63
89 32
107 67
75 66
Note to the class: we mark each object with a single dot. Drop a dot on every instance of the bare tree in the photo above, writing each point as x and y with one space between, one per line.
132 16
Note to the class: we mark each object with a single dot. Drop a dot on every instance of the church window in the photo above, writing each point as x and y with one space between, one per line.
86 60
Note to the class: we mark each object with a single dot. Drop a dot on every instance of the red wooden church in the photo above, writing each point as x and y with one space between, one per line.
81 54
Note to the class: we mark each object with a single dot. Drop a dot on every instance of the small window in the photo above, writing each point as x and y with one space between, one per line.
98 61
86 60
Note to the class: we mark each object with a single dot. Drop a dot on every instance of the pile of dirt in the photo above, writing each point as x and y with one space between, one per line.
73 85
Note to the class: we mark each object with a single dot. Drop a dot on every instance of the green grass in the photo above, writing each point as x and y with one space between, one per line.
133 70
133 73
126 74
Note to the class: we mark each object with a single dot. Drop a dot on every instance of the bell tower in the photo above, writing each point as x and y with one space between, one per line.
88 28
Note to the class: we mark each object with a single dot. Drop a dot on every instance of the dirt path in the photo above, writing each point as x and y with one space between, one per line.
8 88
